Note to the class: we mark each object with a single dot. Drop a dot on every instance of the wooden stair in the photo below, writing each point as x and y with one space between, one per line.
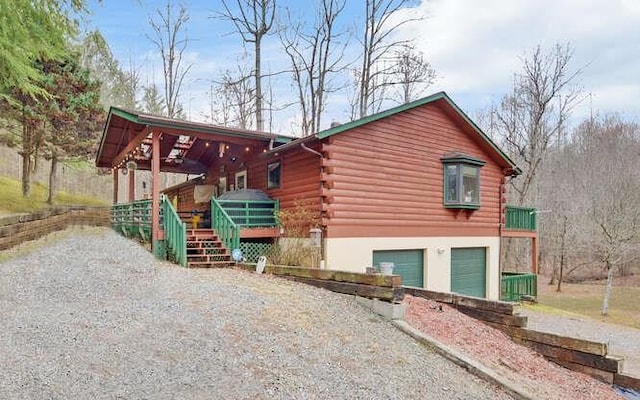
206 250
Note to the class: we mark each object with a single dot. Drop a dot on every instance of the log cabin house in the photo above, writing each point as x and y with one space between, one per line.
419 185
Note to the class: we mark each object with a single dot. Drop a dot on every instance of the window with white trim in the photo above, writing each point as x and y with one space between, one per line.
241 180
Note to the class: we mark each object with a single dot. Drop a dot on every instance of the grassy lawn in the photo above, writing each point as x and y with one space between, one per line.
11 200
586 299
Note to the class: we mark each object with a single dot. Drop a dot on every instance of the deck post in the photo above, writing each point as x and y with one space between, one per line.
155 190
534 254
115 186
132 186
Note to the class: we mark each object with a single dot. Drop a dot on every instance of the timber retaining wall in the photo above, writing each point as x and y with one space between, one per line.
579 355
17 229
372 286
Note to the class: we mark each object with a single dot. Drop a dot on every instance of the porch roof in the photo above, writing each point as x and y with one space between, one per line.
186 147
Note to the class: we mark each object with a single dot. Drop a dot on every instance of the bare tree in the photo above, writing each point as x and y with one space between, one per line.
314 59
232 99
535 113
610 181
559 222
376 43
531 118
411 74
253 20
171 40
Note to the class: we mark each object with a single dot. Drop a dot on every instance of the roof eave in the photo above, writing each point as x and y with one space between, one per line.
425 100
486 138
291 145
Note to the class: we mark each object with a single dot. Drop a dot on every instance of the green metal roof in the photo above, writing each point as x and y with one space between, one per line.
122 125
420 102
165 122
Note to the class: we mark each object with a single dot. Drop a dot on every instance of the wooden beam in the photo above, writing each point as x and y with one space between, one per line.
132 186
155 189
534 254
585 346
499 307
605 363
213 137
130 146
394 295
604 376
393 281
115 185
488 316
628 382
259 232
518 234
431 295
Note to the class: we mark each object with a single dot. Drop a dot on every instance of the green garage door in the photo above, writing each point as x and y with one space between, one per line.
408 264
469 271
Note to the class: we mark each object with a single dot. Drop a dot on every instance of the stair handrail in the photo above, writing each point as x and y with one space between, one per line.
175 232
251 213
227 230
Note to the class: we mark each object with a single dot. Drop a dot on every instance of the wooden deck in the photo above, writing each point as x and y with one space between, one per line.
250 233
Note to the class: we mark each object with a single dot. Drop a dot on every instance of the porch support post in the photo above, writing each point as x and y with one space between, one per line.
132 186
115 186
155 189
534 254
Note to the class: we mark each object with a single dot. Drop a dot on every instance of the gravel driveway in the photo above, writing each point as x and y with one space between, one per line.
95 316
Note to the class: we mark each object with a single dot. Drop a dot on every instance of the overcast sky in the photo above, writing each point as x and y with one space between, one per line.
475 47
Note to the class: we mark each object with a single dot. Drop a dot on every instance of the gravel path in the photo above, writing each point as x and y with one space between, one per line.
94 316
622 340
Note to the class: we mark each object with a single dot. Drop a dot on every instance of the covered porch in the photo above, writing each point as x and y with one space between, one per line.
187 217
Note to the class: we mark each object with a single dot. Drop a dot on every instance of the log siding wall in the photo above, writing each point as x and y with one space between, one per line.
299 178
385 178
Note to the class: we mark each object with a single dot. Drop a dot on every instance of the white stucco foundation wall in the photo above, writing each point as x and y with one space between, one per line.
356 254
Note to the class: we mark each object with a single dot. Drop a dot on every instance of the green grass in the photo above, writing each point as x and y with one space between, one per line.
586 300
80 165
11 200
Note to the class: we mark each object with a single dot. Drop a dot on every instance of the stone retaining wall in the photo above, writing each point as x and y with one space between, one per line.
17 229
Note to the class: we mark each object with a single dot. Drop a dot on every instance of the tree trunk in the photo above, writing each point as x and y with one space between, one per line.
26 161
258 78
609 288
562 253
559 287
26 179
52 179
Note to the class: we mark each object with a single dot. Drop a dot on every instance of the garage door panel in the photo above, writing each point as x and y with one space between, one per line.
407 263
468 271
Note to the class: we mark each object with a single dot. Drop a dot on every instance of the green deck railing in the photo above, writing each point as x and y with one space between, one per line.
251 213
226 229
175 232
514 285
132 219
520 218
